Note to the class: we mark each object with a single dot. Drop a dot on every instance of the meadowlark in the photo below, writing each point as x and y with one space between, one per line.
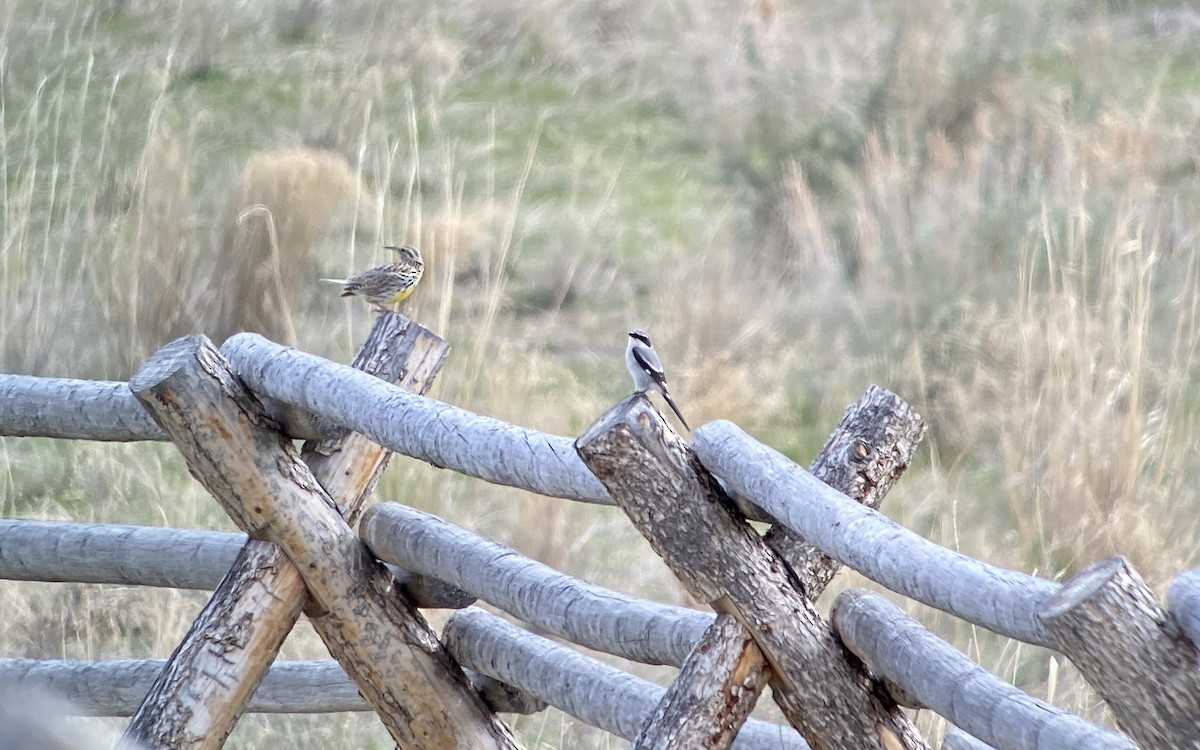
386 285
647 370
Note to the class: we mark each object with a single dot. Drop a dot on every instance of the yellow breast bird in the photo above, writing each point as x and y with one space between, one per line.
386 285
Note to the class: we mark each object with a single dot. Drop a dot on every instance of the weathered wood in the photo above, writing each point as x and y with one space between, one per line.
1108 623
553 602
233 664
863 459
421 696
680 509
116 687
1000 600
956 739
897 648
1183 602
589 690
713 694
718 685
211 675
444 435
74 409
58 551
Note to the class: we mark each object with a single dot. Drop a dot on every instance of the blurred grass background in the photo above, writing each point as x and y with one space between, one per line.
987 208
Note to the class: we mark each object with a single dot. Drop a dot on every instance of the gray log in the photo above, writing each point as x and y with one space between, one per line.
680 509
1108 623
1183 602
863 458
956 739
594 693
74 409
116 687
719 683
443 435
901 650
553 602
58 551
1002 601
256 475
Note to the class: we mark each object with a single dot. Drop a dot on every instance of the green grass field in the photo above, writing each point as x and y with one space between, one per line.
989 209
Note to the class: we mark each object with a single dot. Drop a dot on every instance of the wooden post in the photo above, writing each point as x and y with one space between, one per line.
252 470
718 685
679 507
1108 623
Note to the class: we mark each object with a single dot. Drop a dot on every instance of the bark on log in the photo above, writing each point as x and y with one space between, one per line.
262 593
1108 623
1183 602
57 551
553 602
421 696
713 694
899 649
73 409
589 690
678 506
718 685
1000 600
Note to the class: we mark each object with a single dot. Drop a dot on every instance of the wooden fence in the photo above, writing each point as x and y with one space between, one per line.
849 683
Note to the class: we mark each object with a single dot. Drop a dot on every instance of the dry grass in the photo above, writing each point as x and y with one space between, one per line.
988 211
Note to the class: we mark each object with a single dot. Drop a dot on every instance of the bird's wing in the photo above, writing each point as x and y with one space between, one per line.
648 359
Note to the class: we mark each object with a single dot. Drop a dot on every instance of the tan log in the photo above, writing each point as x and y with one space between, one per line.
718 686
236 637
679 507
230 445
1108 623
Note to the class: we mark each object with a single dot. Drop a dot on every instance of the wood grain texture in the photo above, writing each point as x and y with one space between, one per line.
73 409
58 551
1108 623
1000 600
253 471
718 686
116 687
553 602
441 434
896 647
593 692
681 510
1183 602
712 696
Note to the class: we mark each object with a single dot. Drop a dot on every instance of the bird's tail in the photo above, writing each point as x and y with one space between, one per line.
671 403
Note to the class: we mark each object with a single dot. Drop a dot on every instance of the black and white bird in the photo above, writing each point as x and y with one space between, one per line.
647 370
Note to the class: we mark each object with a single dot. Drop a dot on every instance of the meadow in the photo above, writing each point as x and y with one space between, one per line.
987 208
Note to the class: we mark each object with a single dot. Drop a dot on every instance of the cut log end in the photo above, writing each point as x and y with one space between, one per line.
167 361
1085 586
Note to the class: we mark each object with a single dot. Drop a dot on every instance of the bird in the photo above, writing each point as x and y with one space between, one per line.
386 285
647 370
